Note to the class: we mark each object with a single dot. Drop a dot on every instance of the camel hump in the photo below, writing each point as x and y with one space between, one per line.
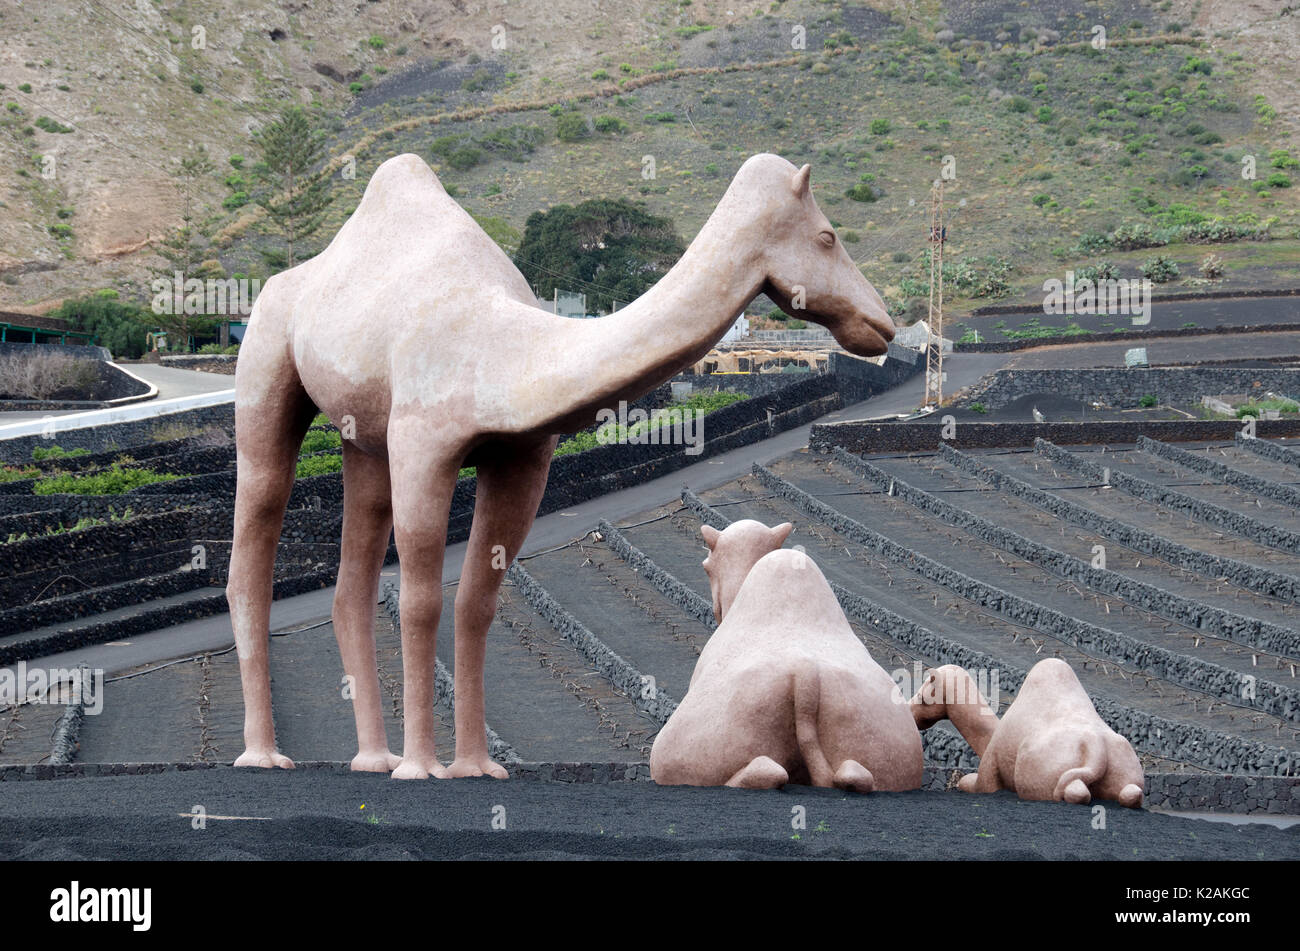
1054 671
404 171
785 589
789 569
402 191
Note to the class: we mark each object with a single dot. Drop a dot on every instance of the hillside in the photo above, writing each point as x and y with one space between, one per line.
1052 139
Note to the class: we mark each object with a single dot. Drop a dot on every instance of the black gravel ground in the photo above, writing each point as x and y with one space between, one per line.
315 814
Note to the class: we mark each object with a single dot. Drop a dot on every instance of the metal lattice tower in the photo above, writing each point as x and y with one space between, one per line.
934 344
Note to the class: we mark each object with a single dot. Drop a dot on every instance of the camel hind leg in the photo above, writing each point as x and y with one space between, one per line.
272 413
511 481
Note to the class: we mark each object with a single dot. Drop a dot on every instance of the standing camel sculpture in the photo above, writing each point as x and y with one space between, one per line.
417 336
1049 745
784 691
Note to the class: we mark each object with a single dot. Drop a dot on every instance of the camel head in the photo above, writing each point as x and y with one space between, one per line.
947 693
808 272
733 552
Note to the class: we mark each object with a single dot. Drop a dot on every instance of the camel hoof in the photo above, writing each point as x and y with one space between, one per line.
382 761
967 782
854 777
762 772
264 759
1077 793
476 766
1131 796
412 768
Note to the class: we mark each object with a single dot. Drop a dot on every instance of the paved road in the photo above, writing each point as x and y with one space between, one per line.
171 382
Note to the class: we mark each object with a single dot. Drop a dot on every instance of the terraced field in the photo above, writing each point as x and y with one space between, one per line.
1180 617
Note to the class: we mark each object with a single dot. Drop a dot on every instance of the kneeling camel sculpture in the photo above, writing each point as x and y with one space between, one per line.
1049 745
416 331
784 691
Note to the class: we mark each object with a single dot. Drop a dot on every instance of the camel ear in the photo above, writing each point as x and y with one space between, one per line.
710 534
799 183
781 533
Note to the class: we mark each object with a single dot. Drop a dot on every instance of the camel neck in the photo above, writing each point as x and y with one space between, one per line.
678 320
975 721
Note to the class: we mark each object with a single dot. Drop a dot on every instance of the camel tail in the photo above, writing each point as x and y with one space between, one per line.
1073 786
807 708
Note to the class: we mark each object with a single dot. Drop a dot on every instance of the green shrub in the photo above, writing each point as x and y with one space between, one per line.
571 127
318 465
1278 180
320 440
114 480
49 125
611 124
514 143
57 452
1101 271
1148 400
1159 269
481 79
18 473
612 432
880 126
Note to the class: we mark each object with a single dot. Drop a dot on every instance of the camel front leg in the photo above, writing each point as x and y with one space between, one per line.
510 488
268 433
367 522
422 490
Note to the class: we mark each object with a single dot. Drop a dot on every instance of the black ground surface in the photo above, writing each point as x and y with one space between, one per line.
316 814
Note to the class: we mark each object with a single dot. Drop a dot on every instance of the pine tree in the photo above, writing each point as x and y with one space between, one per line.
297 196
184 250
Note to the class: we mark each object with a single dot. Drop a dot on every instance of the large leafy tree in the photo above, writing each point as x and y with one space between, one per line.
298 191
609 249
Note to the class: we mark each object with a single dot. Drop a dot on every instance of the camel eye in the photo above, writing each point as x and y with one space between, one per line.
827 238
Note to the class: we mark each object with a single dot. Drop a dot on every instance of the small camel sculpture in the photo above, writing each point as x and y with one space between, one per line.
417 336
1049 745
784 691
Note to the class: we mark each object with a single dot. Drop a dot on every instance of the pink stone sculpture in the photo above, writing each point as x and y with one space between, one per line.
784 691
417 336
1049 745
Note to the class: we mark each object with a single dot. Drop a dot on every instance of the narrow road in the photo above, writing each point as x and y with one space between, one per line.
172 383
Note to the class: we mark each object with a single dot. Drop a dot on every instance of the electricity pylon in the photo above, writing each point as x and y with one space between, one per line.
934 344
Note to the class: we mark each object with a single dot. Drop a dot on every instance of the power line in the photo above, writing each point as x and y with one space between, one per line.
227 96
46 109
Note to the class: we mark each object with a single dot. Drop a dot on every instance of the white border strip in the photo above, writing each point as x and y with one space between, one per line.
123 414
